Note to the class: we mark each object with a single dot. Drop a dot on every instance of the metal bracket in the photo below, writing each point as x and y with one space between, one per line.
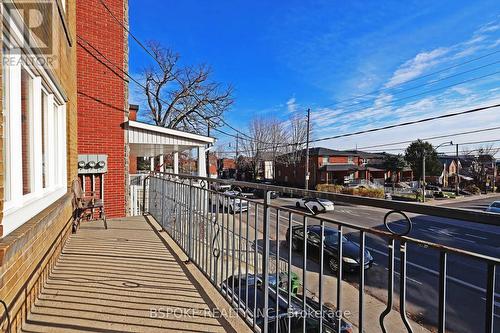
409 224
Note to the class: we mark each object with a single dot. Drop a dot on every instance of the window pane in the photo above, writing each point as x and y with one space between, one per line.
26 123
56 145
45 114
6 128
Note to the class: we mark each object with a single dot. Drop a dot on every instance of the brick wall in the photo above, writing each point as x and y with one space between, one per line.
27 253
102 100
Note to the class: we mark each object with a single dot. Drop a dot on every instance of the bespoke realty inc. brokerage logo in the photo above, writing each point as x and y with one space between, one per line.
31 31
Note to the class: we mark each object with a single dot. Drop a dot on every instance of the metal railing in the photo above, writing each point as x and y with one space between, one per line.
241 246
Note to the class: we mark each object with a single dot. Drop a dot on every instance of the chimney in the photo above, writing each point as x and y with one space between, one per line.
133 109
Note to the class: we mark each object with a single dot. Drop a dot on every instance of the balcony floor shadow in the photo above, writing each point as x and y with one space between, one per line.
102 283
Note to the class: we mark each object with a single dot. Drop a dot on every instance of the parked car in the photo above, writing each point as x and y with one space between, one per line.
350 250
233 204
292 311
315 204
494 207
220 187
259 193
282 281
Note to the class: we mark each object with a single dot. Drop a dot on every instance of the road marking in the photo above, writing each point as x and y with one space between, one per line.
474 236
497 304
451 278
409 279
465 240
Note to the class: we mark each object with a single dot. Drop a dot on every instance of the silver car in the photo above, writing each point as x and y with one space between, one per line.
494 207
232 203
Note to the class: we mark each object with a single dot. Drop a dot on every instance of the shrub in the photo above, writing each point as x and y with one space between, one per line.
329 188
360 191
473 189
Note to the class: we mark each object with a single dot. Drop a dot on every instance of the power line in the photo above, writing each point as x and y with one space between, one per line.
372 130
128 75
472 150
404 98
449 115
433 137
157 61
419 94
113 64
415 79
458 143
424 84
358 132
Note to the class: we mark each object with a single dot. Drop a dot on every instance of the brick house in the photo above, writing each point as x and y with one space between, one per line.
103 96
226 168
39 142
328 166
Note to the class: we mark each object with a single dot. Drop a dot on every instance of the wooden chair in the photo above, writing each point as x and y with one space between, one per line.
84 204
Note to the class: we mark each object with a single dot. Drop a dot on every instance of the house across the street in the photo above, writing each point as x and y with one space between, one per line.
328 166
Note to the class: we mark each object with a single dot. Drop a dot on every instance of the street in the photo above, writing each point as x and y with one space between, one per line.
466 277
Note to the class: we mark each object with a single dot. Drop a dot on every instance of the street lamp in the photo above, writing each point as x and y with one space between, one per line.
449 143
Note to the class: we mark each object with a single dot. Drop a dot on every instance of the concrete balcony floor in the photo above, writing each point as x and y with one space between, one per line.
128 278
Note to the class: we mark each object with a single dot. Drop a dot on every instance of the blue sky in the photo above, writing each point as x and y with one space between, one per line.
285 56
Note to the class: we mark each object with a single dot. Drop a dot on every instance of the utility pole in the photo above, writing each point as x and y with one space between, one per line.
457 176
207 162
236 157
307 149
423 176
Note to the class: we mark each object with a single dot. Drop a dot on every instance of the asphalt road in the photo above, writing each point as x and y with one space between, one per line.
466 277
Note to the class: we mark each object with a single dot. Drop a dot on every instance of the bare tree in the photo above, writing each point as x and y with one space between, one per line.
274 140
183 98
296 136
483 163
255 148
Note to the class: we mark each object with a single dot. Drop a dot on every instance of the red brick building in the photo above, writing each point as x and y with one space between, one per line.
327 166
102 57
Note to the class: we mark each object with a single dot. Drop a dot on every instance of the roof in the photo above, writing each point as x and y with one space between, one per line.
320 151
339 167
150 140
364 154
160 130
371 169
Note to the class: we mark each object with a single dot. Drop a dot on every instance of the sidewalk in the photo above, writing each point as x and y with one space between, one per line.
350 295
126 279
460 199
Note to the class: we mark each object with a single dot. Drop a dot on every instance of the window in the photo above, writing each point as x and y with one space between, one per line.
6 127
27 130
34 132
324 160
350 160
45 140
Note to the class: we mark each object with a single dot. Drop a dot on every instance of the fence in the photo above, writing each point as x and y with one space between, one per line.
241 246
136 194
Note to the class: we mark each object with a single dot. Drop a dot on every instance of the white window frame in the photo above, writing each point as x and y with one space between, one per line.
20 208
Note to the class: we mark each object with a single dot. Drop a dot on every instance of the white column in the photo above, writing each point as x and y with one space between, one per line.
51 139
176 163
162 166
15 132
152 163
202 168
37 134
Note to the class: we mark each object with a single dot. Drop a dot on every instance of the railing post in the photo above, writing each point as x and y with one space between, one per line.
265 258
144 211
190 218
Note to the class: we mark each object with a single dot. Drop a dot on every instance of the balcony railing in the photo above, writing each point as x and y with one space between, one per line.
255 253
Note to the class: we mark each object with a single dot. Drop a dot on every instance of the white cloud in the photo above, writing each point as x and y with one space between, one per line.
292 105
416 66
